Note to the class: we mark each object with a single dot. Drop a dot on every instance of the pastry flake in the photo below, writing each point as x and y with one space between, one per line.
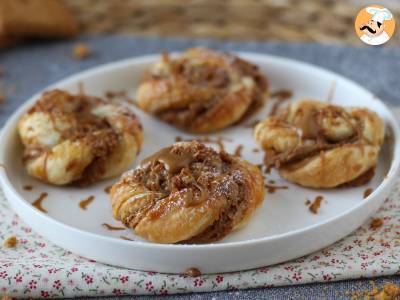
320 145
188 193
202 90
78 138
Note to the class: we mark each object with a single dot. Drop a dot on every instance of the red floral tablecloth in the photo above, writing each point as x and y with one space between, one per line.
38 268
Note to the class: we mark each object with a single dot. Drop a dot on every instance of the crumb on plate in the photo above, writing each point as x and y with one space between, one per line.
315 205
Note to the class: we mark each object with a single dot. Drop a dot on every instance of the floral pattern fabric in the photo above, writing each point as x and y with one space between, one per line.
38 268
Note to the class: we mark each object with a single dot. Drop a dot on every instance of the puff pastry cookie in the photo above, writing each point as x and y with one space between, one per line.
78 139
187 193
202 90
320 145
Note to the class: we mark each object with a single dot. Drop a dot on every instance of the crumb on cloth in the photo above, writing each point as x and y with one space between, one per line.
81 50
389 291
376 223
10 242
193 272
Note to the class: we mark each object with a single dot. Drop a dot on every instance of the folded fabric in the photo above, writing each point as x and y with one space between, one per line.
38 268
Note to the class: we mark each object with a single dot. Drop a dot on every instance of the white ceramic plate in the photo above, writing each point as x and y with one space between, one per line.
282 229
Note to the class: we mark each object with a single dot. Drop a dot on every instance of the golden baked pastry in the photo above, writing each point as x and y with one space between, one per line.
320 145
78 139
202 90
187 193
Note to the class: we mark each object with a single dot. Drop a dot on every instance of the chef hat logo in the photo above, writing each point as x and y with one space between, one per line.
379 14
375 25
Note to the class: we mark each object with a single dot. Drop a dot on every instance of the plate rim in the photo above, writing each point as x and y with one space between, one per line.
10 127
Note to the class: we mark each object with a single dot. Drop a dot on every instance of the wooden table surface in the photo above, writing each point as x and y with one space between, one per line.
321 21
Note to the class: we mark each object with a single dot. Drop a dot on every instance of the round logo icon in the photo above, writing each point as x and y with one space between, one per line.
375 25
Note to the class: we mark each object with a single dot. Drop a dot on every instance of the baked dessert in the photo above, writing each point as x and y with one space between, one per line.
187 193
320 145
78 139
202 90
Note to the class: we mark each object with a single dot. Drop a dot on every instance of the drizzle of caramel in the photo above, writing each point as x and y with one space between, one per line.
238 150
267 169
119 95
219 141
84 203
72 164
275 108
107 189
125 238
44 175
28 187
272 188
38 202
308 123
314 207
220 144
111 227
368 192
307 119
282 94
173 162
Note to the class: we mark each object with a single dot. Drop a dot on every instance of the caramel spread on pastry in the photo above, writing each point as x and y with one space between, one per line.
321 145
202 90
77 138
187 193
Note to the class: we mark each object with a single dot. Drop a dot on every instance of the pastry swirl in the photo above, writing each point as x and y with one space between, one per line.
187 193
202 90
78 139
320 145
